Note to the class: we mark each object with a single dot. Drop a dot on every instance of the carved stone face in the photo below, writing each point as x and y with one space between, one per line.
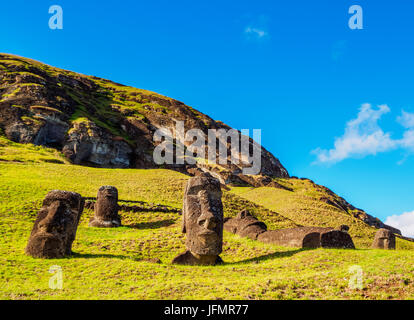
55 228
203 216
384 239
106 209
107 203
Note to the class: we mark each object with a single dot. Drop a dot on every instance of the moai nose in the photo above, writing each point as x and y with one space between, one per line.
51 218
208 221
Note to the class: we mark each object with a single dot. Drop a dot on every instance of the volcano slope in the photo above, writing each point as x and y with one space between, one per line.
122 263
134 261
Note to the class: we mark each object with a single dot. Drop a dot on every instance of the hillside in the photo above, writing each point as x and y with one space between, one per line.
62 130
99 123
119 263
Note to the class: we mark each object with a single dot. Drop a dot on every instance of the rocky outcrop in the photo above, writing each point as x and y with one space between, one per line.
86 143
100 123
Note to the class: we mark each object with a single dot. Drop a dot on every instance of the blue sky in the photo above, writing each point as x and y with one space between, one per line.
291 68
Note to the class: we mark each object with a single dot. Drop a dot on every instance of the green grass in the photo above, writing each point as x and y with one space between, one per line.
304 207
113 263
20 153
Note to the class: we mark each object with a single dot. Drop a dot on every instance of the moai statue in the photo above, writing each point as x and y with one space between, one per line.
202 222
384 239
55 227
343 228
106 209
245 225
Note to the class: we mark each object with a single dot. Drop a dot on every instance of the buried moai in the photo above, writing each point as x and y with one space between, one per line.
106 209
384 239
55 227
202 222
245 225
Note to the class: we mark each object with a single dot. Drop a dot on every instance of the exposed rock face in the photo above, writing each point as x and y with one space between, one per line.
55 227
202 222
106 209
100 123
87 143
245 225
384 239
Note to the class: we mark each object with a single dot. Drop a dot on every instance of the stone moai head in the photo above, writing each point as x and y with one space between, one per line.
245 225
55 227
384 239
106 208
203 216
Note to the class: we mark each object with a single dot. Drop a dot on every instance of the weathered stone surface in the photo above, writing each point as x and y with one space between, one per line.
55 227
106 209
245 225
384 239
89 144
336 239
296 237
38 102
202 222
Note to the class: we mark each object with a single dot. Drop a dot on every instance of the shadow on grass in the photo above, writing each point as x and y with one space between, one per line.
98 255
275 255
151 225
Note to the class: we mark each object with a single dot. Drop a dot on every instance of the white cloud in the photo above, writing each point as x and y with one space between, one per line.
404 222
362 137
408 140
255 32
406 119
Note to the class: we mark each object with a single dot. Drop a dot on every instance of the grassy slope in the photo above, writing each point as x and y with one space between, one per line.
110 263
106 106
303 206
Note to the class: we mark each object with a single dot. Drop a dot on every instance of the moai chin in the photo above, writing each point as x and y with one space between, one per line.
384 239
106 209
202 222
55 227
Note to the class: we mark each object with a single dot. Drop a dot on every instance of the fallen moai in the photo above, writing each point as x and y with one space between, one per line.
106 209
55 227
245 225
202 222
384 239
